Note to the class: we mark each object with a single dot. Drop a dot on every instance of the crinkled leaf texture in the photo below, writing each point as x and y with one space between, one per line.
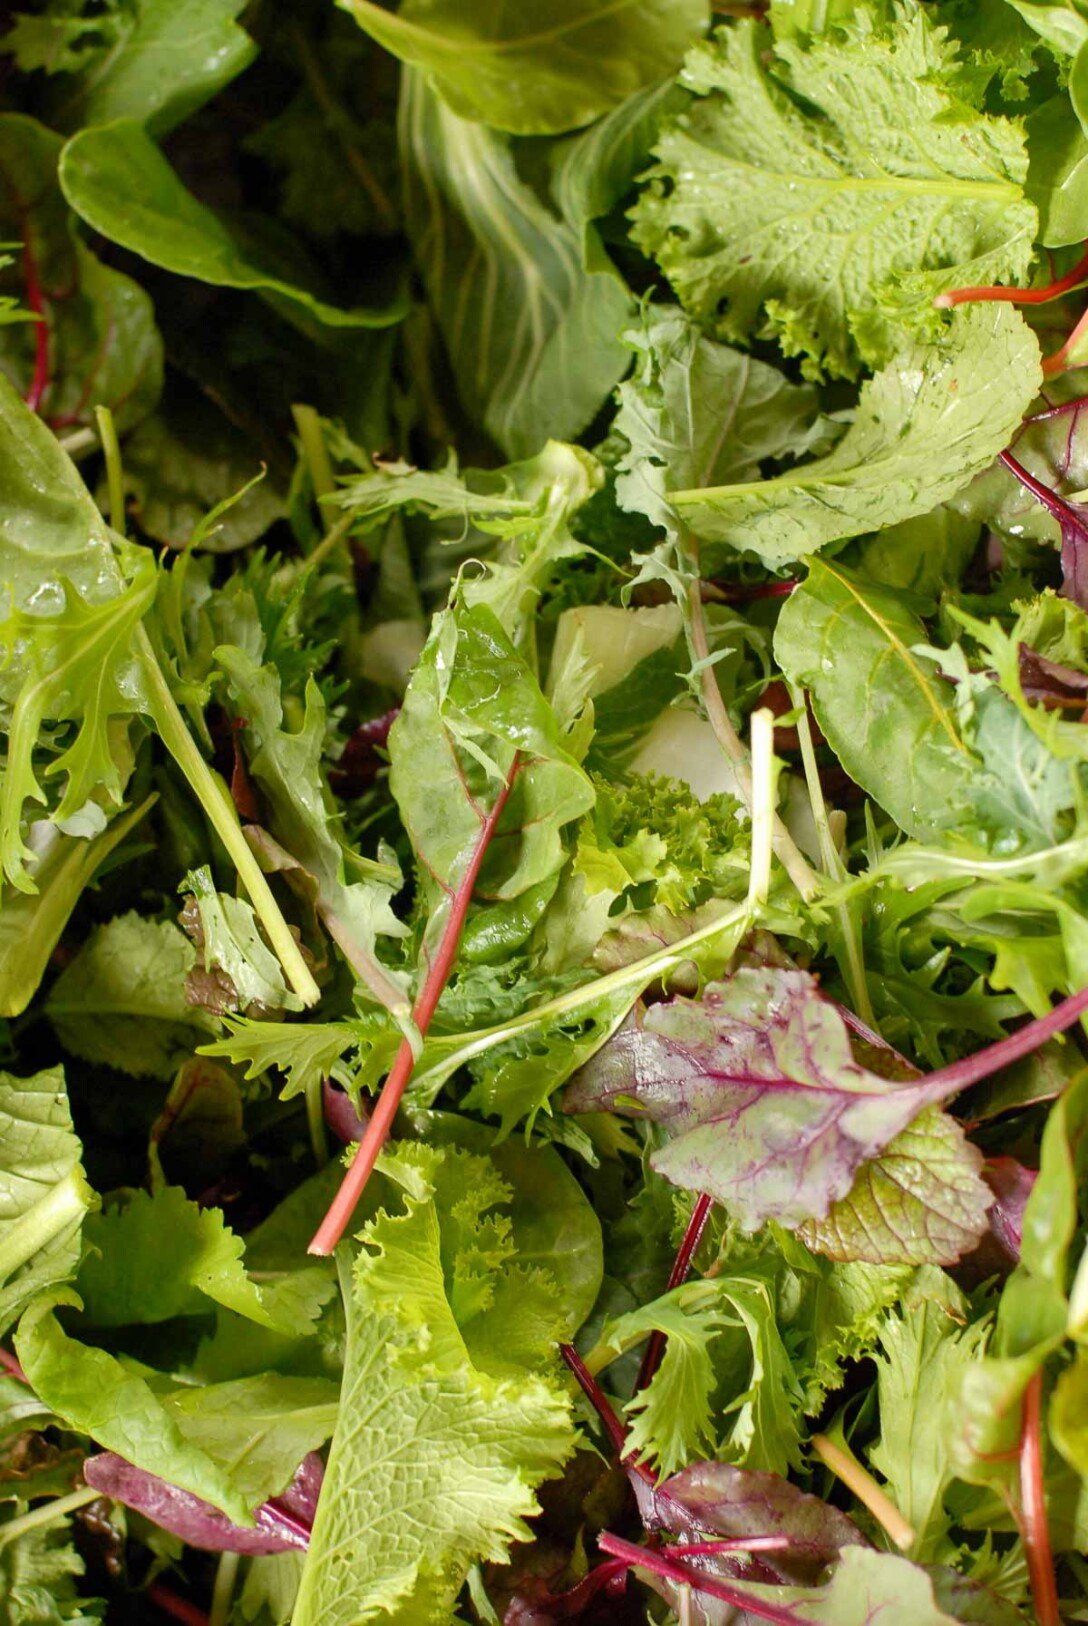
451 1413
44 1196
935 415
38 1581
539 68
830 195
765 1105
530 322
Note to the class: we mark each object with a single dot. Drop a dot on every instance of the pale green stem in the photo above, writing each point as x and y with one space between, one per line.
60 1208
315 1118
81 440
833 865
48 1513
314 450
226 1575
763 778
115 479
837 1455
213 797
793 860
328 542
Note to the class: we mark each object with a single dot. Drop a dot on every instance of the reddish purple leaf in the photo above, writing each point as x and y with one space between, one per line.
282 1525
1072 517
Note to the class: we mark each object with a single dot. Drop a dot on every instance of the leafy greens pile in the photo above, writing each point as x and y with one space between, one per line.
544 812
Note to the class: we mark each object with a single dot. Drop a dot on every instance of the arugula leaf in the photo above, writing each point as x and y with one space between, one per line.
430 1301
534 344
930 419
105 169
102 346
145 60
45 1194
781 159
543 68
122 999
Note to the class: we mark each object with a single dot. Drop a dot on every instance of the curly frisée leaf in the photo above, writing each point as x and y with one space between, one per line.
860 138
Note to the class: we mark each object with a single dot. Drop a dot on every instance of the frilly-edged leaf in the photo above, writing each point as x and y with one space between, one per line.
936 414
38 1573
860 137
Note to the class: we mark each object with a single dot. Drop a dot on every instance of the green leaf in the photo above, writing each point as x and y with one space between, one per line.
1058 173
438 1289
930 420
921 1202
31 923
94 1394
38 1580
865 1587
1069 1414
122 1000
781 159
104 347
541 68
924 1356
593 170
844 638
287 767
1060 23
45 1196
230 946
117 180
695 413
471 708
534 343
161 1256
258 1428
145 60
305 1052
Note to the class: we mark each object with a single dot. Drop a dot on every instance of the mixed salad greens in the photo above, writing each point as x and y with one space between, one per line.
544 815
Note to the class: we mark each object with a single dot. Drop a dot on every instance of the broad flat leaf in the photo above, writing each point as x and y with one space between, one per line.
183 460
1058 173
858 182
161 1256
117 180
531 327
538 68
887 714
469 1446
143 60
31 923
94 1394
197 1523
286 765
923 1357
122 1001
44 1196
471 708
1069 1414
757 1086
921 1202
104 347
695 413
591 171
935 415
258 1428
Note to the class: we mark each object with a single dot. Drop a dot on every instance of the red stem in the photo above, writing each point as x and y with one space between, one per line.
730 1544
1017 296
39 383
342 1207
1049 499
171 1604
693 1235
1057 361
10 1364
1033 1521
739 594
596 1397
959 1074
658 1563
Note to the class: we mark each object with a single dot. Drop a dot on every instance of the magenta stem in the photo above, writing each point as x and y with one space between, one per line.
693 1235
656 1561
